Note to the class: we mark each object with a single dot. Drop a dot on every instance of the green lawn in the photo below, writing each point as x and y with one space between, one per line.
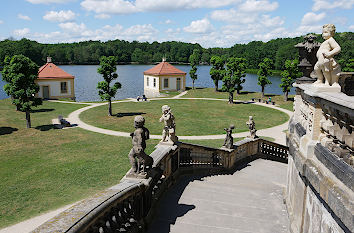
193 117
244 96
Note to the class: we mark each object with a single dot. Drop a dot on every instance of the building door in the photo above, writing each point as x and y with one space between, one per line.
45 92
178 84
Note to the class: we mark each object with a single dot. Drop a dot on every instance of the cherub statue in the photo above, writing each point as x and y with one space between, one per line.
169 130
252 127
229 140
326 68
137 156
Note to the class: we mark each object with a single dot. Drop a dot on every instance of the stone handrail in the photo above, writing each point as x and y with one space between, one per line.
130 205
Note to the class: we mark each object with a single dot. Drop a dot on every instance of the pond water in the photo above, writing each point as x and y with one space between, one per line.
131 78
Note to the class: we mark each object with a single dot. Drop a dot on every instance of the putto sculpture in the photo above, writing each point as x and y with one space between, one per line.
326 68
169 130
252 128
229 140
139 160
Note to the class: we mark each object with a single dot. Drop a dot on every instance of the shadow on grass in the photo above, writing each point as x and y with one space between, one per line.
124 114
45 127
42 110
195 88
247 92
7 130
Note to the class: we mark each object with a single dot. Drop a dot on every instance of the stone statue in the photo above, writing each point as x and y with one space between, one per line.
326 68
307 57
229 140
169 130
252 128
137 156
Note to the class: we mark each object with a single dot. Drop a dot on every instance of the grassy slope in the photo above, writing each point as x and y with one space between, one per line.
193 117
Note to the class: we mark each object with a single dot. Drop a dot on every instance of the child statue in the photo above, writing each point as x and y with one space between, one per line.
169 130
137 156
229 140
326 68
252 127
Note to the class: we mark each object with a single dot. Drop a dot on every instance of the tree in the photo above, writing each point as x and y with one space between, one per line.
263 73
20 73
108 70
194 60
217 70
349 66
290 73
236 70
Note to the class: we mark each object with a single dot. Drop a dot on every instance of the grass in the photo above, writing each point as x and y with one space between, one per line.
193 117
42 168
244 96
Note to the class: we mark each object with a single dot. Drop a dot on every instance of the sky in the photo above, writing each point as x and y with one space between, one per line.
211 23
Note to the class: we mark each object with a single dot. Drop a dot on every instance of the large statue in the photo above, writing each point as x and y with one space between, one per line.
252 127
169 130
137 156
326 68
229 140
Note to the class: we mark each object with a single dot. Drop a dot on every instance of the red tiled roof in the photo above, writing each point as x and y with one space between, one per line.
50 71
164 68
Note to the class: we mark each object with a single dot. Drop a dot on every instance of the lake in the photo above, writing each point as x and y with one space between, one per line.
131 78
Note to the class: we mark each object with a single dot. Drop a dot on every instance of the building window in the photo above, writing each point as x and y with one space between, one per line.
147 81
63 87
154 82
165 83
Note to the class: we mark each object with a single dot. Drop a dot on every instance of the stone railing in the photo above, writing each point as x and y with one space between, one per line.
320 185
130 205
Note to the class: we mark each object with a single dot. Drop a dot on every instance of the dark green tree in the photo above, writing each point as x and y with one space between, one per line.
108 70
20 73
233 78
289 75
349 66
194 60
264 71
217 70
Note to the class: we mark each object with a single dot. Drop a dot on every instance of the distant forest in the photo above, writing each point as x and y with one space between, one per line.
89 52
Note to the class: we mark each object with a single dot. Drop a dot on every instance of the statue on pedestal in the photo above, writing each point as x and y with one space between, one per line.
326 68
139 160
252 128
169 130
229 140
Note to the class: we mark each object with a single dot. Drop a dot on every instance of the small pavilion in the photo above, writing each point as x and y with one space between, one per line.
163 77
54 82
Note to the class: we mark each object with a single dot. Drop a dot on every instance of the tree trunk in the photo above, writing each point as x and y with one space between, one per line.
238 92
28 119
109 107
216 85
286 96
262 91
193 84
231 98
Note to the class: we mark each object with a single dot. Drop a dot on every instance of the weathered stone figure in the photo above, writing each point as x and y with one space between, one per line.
169 130
137 156
229 140
252 127
326 68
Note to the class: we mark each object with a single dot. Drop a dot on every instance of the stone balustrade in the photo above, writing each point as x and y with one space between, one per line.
130 205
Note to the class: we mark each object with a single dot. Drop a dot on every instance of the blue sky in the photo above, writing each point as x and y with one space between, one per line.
211 23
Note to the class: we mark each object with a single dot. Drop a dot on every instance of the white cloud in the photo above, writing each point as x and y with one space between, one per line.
168 21
233 16
128 7
102 16
73 27
351 28
262 5
267 21
199 26
312 18
326 5
47 1
61 16
1 22
24 17
21 32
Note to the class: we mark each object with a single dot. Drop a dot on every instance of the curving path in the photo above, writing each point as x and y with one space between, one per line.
275 132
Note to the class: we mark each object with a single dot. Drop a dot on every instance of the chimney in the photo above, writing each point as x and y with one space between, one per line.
49 59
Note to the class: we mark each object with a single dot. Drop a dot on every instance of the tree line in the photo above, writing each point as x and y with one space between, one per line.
89 52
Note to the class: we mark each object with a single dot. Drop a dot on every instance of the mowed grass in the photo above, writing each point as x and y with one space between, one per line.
193 117
43 170
244 96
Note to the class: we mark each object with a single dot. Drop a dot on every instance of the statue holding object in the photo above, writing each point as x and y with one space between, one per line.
326 68
169 130
139 160
252 128
229 140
